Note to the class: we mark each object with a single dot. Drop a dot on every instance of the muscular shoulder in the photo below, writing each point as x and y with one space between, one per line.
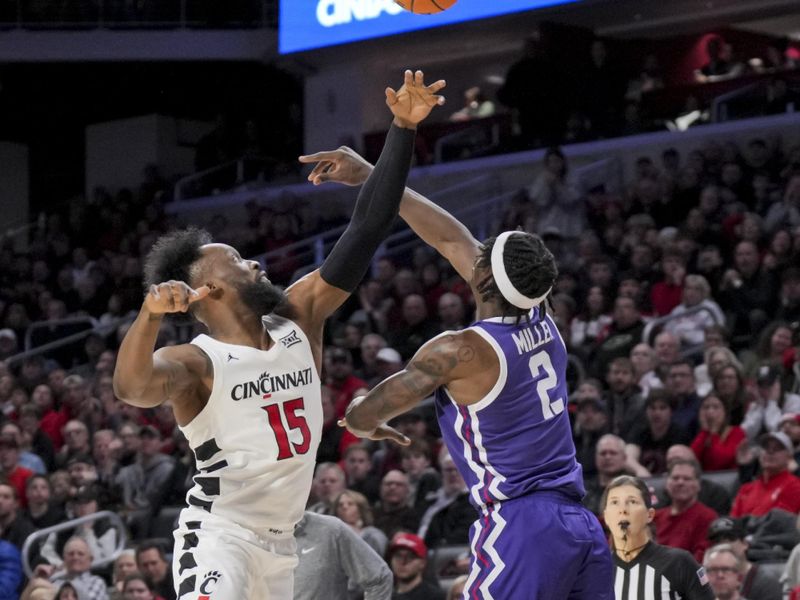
455 352
189 355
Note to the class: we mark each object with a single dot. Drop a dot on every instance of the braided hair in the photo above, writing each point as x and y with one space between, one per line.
530 266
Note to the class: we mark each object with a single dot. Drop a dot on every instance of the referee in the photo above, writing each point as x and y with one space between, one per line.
645 570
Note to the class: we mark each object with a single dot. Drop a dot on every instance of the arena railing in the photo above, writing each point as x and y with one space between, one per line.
657 325
113 518
102 329
223 177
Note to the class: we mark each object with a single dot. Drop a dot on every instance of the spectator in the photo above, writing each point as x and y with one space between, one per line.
724 572
359 474
556 198
667 348
729 387
371 344
415 328
124 565
787 212
769 404
476 106
659 432
452 312
587 326
333 560
422 477
8 343
136 587
335 440
329 482
643 359
100 536
620 337
591 423
354 510
718 65
748 292
448 519
776 487
340 378
711 494
667 294
393 513
77 564
456 591
41 511
685 522
623 398
14 527
11 470
142 482
717 442
153 565
690 329
610 460
756 582
76 437
714 360
680 383
387 362
407 556
27 459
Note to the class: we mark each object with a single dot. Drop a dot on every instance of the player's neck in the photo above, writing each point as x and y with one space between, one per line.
240 331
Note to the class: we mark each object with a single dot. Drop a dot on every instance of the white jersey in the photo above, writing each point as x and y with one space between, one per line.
256 440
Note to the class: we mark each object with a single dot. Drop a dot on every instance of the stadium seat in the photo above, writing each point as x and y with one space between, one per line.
727 479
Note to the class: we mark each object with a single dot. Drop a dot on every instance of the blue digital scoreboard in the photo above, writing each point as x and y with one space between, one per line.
309 24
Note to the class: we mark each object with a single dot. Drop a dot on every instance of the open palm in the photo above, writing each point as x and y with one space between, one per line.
414 101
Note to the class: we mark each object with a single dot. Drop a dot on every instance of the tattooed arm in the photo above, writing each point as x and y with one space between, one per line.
443 360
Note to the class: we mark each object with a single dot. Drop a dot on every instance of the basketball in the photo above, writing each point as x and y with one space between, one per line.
425 7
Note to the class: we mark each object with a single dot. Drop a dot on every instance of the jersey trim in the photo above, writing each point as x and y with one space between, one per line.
501 378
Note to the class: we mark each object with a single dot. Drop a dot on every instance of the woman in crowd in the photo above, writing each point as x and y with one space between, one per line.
729 387
353 508
716 443
714 359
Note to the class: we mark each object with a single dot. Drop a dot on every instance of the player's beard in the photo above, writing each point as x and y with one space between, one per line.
262 297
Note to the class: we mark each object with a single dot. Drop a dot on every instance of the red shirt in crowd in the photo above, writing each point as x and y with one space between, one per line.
685 530
343 392
716 453
18 478
52 423
665 296
761 496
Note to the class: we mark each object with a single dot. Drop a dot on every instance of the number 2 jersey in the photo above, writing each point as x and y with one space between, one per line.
517 439
256 439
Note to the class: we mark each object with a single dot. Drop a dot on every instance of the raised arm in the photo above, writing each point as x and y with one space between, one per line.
437 227
317 295
146 379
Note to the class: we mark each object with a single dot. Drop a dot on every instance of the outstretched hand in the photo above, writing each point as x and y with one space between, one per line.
344 165
414 101
381 432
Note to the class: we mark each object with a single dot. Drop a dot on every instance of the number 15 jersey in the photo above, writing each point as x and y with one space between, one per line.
517 439
256 439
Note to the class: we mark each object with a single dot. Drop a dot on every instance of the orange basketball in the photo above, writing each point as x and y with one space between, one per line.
425 7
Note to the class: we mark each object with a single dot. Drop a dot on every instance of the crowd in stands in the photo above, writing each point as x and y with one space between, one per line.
704 246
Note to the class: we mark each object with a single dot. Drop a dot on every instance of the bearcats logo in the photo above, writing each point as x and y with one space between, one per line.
209 583
290 340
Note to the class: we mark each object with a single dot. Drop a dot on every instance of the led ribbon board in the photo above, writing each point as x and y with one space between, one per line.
309 24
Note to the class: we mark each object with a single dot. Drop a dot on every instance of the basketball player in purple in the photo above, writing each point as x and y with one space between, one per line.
501 400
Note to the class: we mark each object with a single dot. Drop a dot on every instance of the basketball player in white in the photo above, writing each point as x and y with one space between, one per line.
247 395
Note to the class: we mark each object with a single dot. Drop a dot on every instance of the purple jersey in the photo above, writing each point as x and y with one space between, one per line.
517 439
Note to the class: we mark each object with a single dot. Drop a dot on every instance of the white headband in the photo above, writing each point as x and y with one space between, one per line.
507 289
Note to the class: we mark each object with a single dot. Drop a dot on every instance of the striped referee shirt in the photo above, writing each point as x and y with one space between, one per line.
661 573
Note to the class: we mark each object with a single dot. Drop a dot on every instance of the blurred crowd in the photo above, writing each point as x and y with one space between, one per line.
679 302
